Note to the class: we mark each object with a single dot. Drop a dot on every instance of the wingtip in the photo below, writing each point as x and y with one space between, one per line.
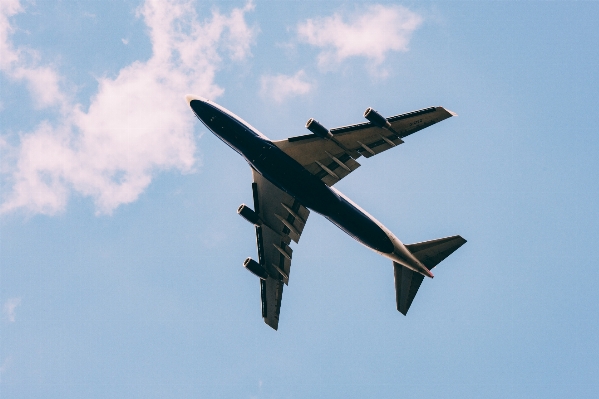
274 324
274 327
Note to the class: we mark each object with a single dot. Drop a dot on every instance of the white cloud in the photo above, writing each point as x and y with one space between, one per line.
137 123
371 34
9 308
8 8
21 64
280 87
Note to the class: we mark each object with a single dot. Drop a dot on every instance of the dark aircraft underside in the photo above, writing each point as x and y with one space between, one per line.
294 176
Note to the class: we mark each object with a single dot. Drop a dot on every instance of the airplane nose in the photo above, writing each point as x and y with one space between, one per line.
190 97
202 107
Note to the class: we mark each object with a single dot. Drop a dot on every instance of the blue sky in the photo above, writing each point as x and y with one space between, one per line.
121 251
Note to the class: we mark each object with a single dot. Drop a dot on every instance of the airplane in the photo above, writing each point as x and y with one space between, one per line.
296 175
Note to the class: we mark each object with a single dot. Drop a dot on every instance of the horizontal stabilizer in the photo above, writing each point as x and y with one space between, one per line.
430 253
407 283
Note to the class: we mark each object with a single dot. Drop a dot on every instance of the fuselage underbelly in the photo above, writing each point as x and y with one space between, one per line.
291 177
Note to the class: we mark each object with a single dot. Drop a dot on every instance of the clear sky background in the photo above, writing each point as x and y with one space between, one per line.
121 251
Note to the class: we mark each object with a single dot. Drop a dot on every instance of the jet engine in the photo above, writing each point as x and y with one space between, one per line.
318 129
249 215
255 268
376 118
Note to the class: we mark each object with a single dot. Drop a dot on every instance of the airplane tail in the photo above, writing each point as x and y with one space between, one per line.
430 253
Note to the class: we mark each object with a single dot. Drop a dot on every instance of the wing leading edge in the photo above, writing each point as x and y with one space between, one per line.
333 159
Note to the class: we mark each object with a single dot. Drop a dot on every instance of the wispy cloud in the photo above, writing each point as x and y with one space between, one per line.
137 123
9 309
280 87
371 34
22 64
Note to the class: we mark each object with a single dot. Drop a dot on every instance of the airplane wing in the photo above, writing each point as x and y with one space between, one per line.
283 219
333 159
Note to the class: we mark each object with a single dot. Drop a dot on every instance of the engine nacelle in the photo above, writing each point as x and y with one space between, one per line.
255 268
376 118
318 129
249 215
